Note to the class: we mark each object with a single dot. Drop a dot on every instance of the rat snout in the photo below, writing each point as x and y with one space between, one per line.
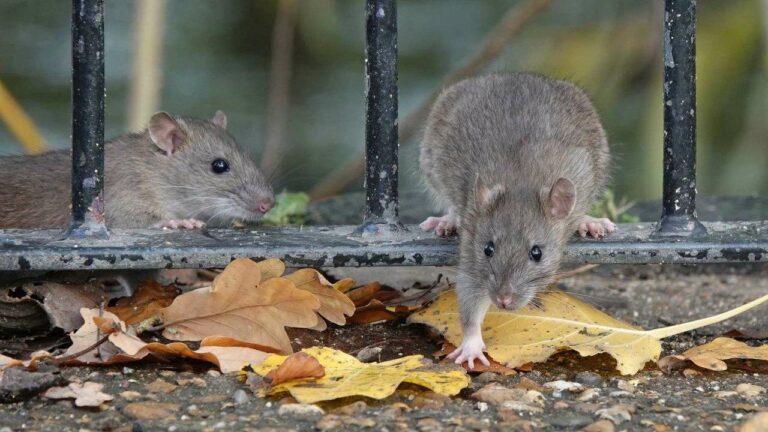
265 204
505 301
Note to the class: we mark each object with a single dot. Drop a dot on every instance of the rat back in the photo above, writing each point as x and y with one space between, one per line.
519 129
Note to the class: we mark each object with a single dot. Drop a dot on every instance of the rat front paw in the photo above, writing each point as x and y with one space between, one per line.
595 227
471 349
182 224
444 226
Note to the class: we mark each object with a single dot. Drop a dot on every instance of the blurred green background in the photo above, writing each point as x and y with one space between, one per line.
216 55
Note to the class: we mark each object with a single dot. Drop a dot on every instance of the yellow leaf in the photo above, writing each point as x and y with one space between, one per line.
347 376
240 305
563 323
711 355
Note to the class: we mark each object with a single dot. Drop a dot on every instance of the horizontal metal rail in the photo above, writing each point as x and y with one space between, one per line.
339 247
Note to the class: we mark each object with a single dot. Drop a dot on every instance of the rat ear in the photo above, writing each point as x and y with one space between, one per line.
220 119
165 132
486 196
558 202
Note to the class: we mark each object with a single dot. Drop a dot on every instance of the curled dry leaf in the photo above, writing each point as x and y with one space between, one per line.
712 355
87 394
123 347
376 311
347 376
333 304
296 366
148 300
365 294
240 306
563 322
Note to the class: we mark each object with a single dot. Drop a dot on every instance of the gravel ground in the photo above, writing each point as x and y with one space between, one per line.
193 398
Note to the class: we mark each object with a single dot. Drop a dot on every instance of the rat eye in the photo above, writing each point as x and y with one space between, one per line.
490 248
220 166
536 253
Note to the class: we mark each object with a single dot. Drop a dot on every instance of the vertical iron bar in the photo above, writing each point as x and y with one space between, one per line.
679 201
381 143
88 94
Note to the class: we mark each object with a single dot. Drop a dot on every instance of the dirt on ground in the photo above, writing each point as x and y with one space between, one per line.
193 397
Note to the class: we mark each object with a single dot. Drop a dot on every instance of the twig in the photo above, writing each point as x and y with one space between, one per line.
578 270
511 24
279 84
67 358
146 76
19 123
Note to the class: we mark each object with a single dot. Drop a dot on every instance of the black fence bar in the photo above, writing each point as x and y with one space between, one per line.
381 143
88 119
679 201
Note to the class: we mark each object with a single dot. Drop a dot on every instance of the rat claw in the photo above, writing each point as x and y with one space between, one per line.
595 227
471 349
182 223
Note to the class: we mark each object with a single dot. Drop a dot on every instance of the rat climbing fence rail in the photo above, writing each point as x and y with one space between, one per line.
381 239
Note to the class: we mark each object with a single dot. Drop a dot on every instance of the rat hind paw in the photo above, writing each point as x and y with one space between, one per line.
471 349
182 224
444 226
595 227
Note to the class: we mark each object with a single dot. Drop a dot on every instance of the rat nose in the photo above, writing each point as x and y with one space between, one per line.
504 301
265 204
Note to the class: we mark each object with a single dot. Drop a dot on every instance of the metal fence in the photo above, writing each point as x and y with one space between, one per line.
381 239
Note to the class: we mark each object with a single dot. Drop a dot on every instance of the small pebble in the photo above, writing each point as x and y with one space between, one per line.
487 377
300 410
482 406
589 379
569 420
241 397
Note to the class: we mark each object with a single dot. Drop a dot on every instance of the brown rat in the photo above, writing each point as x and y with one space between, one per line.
179 173
515 160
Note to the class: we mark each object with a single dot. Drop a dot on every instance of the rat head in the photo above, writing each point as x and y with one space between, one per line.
206 174
513 250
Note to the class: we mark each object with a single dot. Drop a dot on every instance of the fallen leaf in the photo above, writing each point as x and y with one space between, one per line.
712 355
239 305
148 300
746 334
495 366
334 305
562 323
346 376
756 423
344 285
89 334
270 268
297 366
87 394
150 410
376 311
363 295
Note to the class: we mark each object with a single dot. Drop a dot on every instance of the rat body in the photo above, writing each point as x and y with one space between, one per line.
179 173
515 160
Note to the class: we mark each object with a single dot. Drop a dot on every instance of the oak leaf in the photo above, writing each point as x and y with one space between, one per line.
239 305
712 355
347 376
297 366
562 323
334 305
148 300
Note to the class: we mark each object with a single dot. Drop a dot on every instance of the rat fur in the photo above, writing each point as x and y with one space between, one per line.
515 160
162 176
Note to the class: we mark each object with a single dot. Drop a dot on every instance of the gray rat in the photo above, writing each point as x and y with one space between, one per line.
178 173
515 160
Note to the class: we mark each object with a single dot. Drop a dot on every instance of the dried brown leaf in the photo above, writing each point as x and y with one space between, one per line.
148 300
495 366
334 305
712 355
87 394
239 305
376 311
297 366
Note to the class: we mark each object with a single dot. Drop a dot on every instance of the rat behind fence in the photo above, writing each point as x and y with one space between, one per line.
515 160
179 173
